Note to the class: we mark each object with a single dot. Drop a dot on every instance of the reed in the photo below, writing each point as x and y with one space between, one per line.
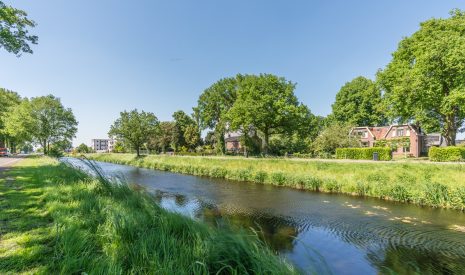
62 221
417 183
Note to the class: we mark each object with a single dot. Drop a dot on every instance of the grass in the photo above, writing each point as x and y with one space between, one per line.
436 185
55 219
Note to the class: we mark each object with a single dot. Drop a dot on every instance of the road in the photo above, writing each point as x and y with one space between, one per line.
7 162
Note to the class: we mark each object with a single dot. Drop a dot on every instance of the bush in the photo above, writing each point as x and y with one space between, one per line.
384 153
450 153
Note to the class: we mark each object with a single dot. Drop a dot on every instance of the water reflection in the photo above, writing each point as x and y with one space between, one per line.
334 233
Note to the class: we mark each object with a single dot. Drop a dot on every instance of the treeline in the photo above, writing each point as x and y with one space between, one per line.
42 121
424 84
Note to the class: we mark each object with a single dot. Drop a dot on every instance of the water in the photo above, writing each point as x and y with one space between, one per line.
321 233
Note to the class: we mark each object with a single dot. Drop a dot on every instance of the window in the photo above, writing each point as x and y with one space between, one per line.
406 149
407 133
400 132
393 133
365 134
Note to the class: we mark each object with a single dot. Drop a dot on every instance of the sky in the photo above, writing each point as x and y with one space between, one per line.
103 57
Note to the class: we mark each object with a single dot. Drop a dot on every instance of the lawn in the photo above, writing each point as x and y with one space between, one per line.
436 185
55 219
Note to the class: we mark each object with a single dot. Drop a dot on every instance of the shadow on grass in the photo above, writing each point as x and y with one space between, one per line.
26 231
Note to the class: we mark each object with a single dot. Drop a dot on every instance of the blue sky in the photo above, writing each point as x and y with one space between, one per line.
102 57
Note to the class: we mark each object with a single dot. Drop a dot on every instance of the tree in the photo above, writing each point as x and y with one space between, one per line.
42 120
332 137
192 136
425 81
213 106
359 102
14 34
182 122
167 136
267 103
83 149
135 128
8 100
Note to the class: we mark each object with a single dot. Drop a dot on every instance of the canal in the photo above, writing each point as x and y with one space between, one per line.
317 232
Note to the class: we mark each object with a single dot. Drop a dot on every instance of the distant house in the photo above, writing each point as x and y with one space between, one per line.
404 138
232 142
103 145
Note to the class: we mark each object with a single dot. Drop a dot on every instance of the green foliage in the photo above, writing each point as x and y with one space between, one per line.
394 143
267 104
332 137
192 136
8 100
166 137
188 134
43 120
384 153
135 128
213 105
83 149
14 33
409 182
94 226
425 80
359 103
119 147
450 153
281 145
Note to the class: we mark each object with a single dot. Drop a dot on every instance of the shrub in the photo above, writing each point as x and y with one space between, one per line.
384 153
450 153
436 194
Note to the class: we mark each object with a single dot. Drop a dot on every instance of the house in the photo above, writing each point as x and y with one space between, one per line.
405 139
232 142
102 145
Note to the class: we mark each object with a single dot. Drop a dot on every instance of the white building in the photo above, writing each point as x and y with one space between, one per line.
103 145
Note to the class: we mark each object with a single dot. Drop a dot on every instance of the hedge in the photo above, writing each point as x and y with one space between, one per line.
384 153
450 153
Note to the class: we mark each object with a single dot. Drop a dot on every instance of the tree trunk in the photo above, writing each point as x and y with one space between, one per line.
450 130
221 142
44 145
138 151
266 141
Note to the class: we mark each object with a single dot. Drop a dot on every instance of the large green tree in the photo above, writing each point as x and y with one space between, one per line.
359 102
8 100
425 81
184 123
267 103
135 128
166 136
213 106
43 120
14 33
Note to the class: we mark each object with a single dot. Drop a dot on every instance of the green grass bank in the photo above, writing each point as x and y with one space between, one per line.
429 184
56 220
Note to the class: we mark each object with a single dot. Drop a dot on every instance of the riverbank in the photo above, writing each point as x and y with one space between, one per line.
428 184
55 219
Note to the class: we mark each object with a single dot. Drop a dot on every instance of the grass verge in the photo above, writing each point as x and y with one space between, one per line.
54 219
435 185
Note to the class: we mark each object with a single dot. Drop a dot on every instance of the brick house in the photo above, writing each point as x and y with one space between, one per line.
405 139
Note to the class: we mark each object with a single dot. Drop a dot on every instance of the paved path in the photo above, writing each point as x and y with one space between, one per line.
7 162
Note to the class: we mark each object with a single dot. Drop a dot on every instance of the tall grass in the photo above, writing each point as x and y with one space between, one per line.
100 228
435 185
